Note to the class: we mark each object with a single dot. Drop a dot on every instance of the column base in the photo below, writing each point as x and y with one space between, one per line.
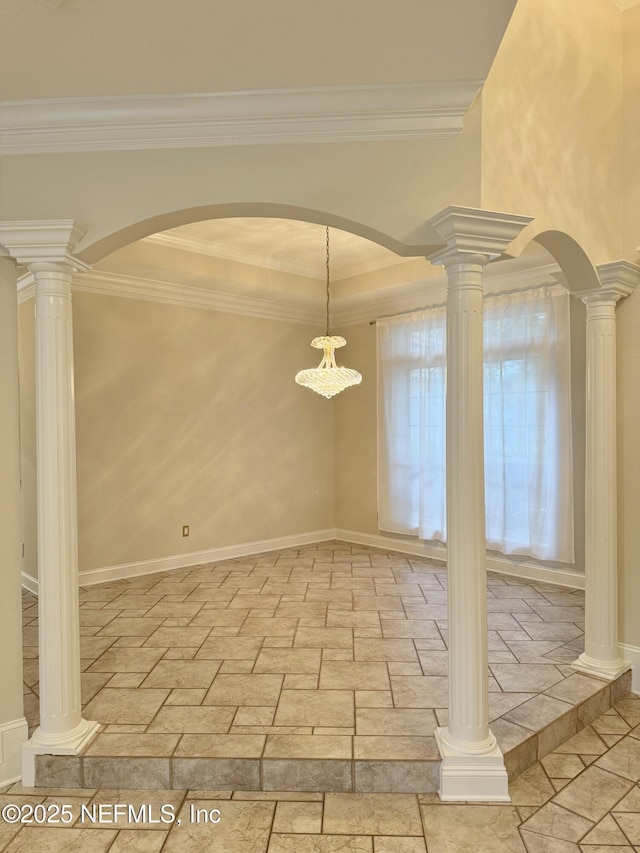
66 743
12 737
480 777
607 670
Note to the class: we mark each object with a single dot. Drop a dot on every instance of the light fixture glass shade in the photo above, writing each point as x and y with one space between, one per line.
328 379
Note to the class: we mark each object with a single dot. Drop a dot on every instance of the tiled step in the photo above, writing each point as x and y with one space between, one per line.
293 774
522 747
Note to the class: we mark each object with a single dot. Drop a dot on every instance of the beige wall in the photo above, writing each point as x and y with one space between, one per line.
631 135
356 436
192 417
11 710
551 131
578 321
188 416
628 312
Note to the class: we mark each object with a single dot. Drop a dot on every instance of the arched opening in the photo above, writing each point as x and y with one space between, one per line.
576 266
98 250
237 648
209 322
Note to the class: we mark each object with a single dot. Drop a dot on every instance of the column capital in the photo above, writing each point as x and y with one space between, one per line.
468 232
60 270
43 241
618 279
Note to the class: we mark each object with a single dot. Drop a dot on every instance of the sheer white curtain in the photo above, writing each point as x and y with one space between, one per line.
527 424
411 423
528 453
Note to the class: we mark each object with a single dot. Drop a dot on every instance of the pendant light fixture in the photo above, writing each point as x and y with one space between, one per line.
328 379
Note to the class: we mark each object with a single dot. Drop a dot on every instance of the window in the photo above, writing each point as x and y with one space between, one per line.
527 424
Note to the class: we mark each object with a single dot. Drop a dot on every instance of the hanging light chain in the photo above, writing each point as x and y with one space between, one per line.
327 281
328 379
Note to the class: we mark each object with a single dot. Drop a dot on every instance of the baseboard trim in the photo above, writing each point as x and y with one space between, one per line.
212 555
419 548
632 654
533 572
30 583
12 736
502 565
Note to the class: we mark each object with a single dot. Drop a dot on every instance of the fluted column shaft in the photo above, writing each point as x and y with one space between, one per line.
57 508
62 729
468 728
601 655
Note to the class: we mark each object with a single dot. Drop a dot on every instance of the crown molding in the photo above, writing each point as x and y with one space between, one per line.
330 114
184 296
26 288
345 310
432 291
397 299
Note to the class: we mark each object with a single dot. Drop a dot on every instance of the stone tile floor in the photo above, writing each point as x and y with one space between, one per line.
584 797
334 652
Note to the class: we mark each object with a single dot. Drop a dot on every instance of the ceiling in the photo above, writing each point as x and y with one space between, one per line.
281 244
92 48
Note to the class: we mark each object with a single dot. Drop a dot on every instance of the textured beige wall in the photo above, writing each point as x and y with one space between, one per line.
578 419
10 608
27 362
188 416
356 436
551 121
631 135
628 312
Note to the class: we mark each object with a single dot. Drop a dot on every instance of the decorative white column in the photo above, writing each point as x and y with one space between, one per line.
472 764
62 729
46 247
13 726
601 656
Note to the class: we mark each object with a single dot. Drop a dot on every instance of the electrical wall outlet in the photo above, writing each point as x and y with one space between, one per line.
185 529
